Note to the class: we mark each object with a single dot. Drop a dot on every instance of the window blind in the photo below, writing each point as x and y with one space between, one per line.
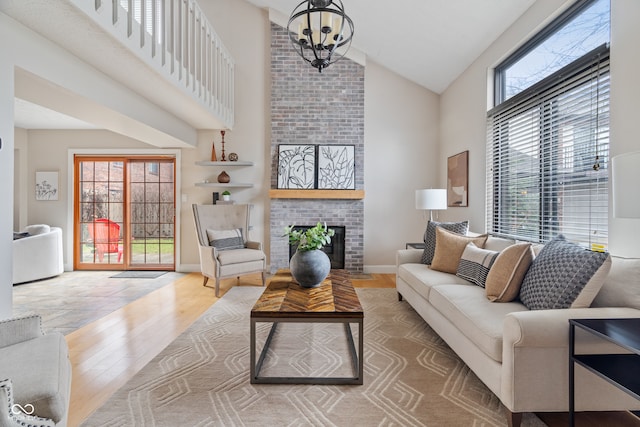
548 156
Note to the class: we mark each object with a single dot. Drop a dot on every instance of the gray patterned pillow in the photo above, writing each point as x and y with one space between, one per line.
226 239
564 275
475 264
430 236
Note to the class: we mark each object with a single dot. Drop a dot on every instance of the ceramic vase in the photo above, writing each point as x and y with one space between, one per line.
310 268
224 178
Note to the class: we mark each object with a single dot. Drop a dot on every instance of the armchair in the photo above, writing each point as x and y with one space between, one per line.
223 246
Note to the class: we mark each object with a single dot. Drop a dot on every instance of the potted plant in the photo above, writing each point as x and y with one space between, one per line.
309 265
226 195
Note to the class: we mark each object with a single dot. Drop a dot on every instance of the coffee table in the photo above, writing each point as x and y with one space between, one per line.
335 301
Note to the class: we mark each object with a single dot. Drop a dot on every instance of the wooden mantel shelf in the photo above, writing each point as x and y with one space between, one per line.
317 194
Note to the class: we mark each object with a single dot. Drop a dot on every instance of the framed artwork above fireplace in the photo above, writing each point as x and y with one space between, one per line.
336 167
296 166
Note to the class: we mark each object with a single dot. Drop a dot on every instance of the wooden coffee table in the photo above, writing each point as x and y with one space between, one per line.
335 301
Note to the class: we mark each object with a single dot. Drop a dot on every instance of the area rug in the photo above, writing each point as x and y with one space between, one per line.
138 275
411 378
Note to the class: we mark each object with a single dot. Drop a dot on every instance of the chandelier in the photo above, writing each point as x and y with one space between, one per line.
317 29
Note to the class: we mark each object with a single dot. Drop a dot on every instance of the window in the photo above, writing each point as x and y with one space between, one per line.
548 144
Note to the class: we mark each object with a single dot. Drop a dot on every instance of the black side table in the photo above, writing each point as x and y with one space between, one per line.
621 370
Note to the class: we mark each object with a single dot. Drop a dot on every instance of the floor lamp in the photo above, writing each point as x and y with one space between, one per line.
431 199
625 172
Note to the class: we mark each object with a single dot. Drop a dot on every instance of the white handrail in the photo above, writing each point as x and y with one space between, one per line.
177 35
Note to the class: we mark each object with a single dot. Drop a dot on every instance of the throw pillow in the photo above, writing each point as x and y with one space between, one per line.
506 275
475 264
224 240
449 249
561 273
430 236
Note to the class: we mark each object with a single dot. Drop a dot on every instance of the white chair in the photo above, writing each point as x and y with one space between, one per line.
223 246
39 255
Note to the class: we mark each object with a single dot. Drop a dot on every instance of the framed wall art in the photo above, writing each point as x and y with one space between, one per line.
336 167
296 166
458 180
46 185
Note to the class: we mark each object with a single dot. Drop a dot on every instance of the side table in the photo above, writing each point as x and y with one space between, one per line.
620 370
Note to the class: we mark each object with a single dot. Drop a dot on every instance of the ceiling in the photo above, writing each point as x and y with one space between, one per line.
430 42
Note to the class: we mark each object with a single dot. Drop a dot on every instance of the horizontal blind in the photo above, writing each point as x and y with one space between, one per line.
548 155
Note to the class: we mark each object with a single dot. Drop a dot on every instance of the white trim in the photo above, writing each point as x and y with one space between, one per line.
380 269
176 153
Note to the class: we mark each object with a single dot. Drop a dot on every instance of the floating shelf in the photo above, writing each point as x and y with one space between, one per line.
220 185
317 194
227 163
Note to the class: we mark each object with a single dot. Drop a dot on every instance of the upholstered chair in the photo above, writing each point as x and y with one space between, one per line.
224 248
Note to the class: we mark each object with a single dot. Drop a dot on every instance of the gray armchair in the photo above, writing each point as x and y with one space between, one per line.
223 246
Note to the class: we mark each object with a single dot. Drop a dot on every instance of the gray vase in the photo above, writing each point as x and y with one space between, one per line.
310 268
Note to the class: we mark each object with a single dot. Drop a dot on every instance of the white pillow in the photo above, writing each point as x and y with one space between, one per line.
37 229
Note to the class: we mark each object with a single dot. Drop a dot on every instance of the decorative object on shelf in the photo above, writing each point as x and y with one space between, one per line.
336 167
431 199
317 28
226 195
214 157
233 157
222 159
224 178
309 265
458 180
216 197
296 166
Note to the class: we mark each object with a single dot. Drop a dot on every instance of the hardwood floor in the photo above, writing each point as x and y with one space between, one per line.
108 352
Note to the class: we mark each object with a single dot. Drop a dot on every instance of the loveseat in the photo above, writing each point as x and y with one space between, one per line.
37 253
35 374
520 354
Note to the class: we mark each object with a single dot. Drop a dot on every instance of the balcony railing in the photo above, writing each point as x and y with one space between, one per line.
176 37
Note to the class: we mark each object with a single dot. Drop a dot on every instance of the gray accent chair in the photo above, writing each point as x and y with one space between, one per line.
218 264
38 371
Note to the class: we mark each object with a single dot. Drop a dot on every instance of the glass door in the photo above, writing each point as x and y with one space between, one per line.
124 213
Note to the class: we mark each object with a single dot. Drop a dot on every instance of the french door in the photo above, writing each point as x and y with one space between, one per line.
124 213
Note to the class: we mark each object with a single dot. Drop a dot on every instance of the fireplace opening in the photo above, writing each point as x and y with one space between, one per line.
335 249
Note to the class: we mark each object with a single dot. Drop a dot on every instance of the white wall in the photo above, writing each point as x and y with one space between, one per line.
20 179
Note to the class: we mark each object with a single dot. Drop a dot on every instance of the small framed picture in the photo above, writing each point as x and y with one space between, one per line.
46 185
336 167
458 180
296 166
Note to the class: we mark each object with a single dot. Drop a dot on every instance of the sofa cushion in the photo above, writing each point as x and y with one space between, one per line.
39 369
421 278
564 275
224 240
430 236
621 287
506 275
449 249
475 264
469 310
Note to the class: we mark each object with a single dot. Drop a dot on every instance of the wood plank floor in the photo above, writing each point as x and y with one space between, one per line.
108 352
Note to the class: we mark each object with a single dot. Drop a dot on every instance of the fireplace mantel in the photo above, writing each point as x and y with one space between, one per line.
317 194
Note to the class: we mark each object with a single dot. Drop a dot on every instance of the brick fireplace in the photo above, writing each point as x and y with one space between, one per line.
308 107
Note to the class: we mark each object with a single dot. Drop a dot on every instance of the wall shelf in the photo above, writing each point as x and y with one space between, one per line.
227 163
317 194
220 185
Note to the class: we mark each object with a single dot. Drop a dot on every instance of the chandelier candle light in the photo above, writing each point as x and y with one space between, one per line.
317 28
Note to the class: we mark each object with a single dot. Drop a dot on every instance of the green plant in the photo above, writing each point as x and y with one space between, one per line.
226 193
310 239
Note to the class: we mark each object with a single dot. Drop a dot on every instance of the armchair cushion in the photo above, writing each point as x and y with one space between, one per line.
224 240
239 256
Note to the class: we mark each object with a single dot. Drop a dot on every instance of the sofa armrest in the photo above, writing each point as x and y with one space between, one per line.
254 245
19 329
550 328
408 256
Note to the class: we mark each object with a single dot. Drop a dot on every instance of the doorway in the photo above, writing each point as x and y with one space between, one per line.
124 213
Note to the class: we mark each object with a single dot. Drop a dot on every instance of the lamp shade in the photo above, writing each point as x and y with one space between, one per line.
431 199
625 173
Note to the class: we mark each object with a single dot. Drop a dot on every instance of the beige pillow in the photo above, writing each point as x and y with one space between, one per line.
507 272
449 249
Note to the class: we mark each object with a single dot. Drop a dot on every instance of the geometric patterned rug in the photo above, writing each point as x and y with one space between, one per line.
411 377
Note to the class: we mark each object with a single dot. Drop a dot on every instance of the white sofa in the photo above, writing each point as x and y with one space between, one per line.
39 372
39 255
520 354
